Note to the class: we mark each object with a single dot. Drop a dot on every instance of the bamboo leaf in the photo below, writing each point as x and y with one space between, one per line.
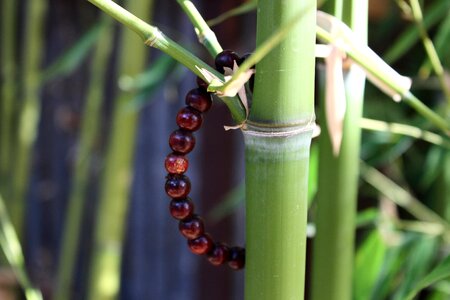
368 264
416 265
65 64
240 10
411 36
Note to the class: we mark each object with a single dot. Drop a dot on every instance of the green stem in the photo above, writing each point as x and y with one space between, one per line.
8 91
383 74
205 35
104 277
10 245
153 37
338 180
88 137
277 153
429 48
30 109
407 130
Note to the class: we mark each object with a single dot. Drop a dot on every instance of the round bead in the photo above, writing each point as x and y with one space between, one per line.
201 83
199 99
219 254
201 245
176 163
177 186
237 258
182 141
189 119
243 58
191 227
226 59
181 208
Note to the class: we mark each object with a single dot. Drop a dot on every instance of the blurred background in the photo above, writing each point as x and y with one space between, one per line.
86 111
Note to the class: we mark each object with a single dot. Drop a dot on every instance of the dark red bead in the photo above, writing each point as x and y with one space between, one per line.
199 99
243 58
191 227
219 254
189 119
226 59
201 83
182 141
237 258
177 186
176 163
181 208
201 245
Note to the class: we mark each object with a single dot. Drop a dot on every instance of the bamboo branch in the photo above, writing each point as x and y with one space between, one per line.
205 35
153 37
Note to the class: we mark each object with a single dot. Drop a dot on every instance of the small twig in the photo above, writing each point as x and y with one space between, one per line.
333 31
429 48
205 35
407 130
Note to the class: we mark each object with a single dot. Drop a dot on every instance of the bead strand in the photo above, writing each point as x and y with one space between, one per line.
178 185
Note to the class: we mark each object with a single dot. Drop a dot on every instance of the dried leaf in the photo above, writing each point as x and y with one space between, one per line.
335 103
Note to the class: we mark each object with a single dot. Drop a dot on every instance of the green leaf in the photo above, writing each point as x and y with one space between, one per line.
416 265
368 264
411 36
65 64
240 10
440 272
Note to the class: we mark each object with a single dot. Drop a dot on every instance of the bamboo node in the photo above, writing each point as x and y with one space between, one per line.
151 41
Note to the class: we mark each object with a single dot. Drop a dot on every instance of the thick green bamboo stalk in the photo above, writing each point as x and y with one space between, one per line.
88 137
104 277
8 90
30 107
277 151
338 182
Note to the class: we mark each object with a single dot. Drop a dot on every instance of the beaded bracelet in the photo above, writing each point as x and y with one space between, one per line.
178 185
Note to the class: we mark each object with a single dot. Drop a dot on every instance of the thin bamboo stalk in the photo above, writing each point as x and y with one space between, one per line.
153 37
12 249
30 109
88 136
8 90
277 151
104 277
205 35
338 181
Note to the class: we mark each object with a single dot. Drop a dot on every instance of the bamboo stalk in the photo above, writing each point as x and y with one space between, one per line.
12 249
277 150
338 181
8 90
104 277
30 109
88 136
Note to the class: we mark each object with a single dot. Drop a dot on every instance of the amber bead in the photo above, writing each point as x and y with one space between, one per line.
178 186
189 119
226 59
199 99
182 141
219 254
237 258
181 208
201 245
191 227
176 163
